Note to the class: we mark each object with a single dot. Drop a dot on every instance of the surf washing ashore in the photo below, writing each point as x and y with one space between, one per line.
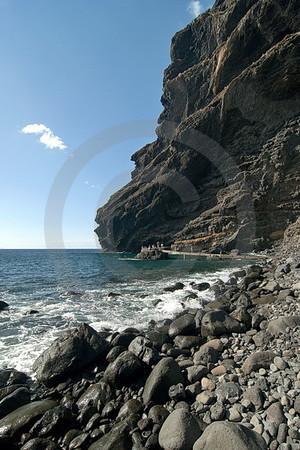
161 362
49 291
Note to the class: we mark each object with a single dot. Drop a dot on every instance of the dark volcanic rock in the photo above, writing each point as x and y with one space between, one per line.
23 417
69 353
3 305
152 255
182 325
17 398
124 370
118 438
227 141
97 394
258 360
164 375
180 430
229 435
9 377
216 323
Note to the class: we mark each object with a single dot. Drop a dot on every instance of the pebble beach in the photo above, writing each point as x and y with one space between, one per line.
223 375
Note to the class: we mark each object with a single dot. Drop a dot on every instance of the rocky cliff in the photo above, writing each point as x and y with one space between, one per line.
224 170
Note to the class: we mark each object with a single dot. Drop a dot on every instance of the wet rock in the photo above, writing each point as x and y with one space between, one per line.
55 419
123 339
118 438
165 374
23 417
71 352
79 441
96 395
174 287
201 286
216 323
40 444
114 353
142 347
132 406
12 376
227 435
14 400
258 360
32 312
124 370
3 305
9 389
179 431
182 325
159 337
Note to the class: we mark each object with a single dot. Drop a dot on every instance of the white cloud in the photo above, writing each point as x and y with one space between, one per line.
47 137
195 8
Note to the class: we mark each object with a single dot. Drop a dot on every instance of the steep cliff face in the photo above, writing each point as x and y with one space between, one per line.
224 170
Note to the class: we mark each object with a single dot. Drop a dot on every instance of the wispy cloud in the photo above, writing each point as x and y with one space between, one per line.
47 137
92 185
195 8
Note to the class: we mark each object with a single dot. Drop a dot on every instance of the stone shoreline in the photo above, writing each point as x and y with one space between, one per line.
225 375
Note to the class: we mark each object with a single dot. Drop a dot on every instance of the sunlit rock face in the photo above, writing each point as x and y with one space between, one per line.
224 170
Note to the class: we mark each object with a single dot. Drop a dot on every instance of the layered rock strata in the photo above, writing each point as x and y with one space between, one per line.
224 170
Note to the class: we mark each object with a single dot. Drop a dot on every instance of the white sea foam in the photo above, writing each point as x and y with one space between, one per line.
25 337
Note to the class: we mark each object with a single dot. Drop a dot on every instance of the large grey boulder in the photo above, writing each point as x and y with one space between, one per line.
228 435
14 400
179 431
184 324
257 361
282 323
22 418
164 375
69 353
9 377
142 347
216 323
123 370
187 342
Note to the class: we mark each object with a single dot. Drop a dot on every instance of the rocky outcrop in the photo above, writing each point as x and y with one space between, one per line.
224 170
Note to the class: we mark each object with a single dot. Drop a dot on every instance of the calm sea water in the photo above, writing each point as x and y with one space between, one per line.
36 280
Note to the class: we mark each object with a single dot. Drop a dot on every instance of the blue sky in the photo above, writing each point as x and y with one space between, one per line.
74 69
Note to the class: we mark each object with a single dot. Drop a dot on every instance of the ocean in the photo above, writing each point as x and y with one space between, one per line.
114 291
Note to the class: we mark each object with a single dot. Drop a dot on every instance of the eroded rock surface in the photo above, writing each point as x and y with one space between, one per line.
224 170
